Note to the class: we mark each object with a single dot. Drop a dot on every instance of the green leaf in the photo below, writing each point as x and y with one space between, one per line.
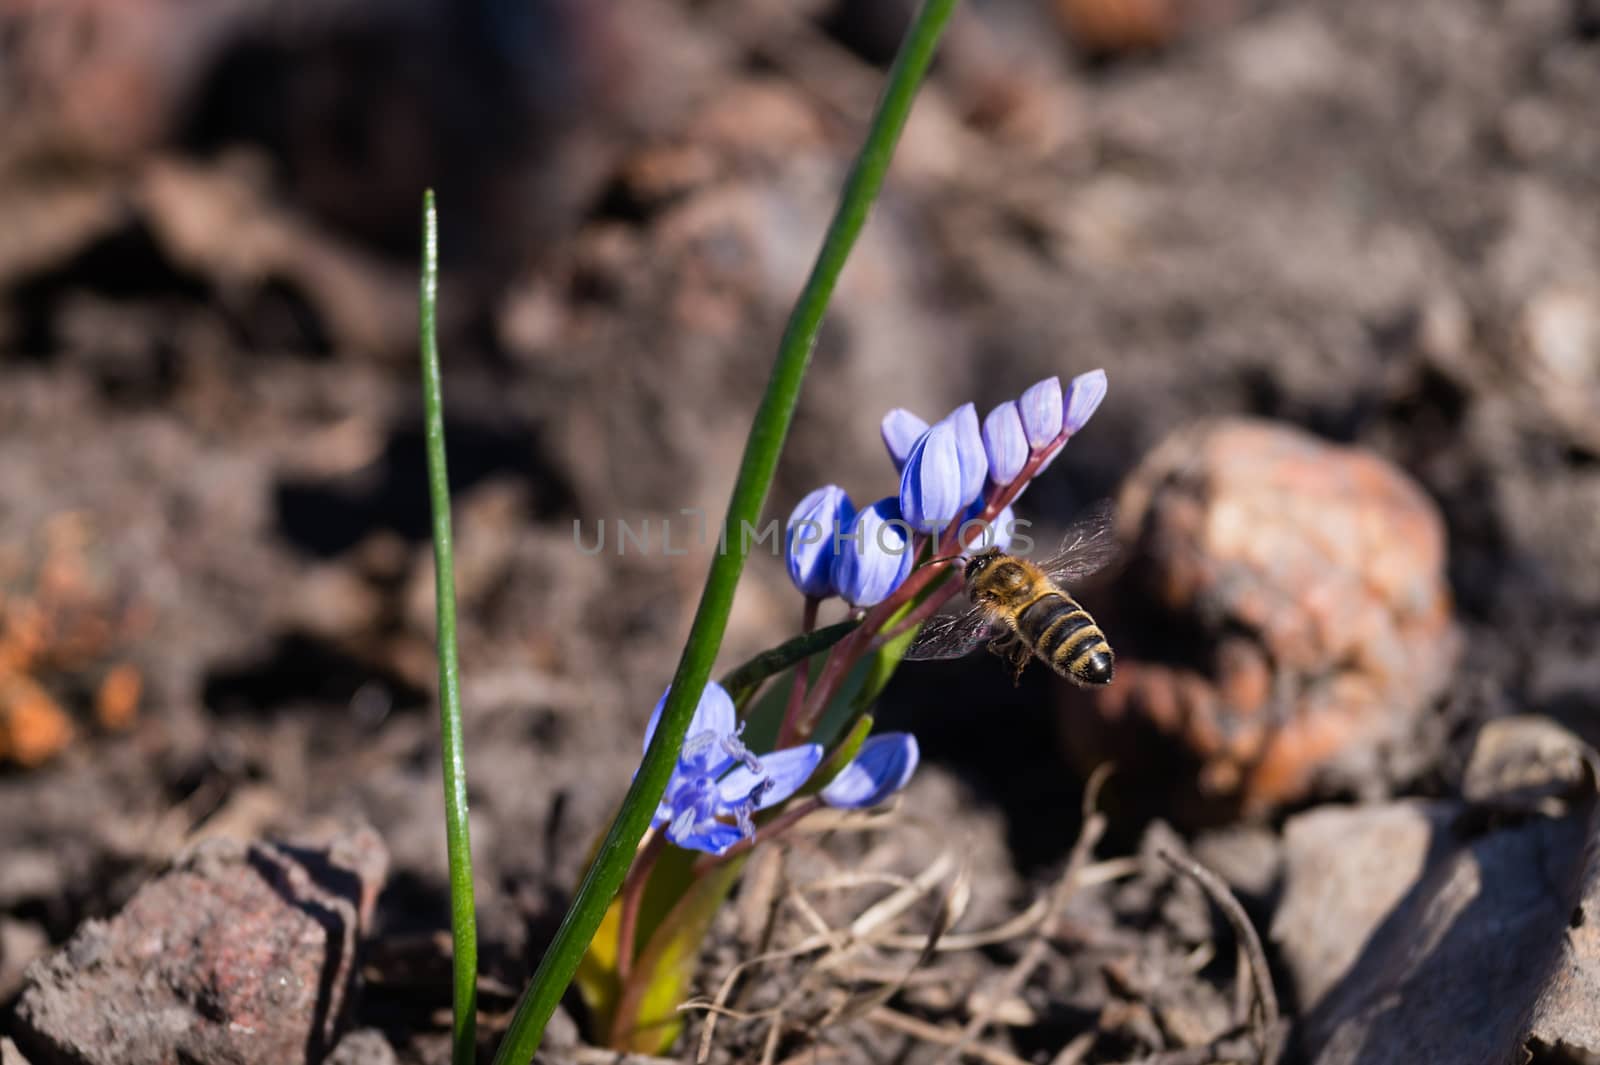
458 841
646 1019
598 977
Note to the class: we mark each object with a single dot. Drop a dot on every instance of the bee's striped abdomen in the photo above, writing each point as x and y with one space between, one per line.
1046 618
1063 634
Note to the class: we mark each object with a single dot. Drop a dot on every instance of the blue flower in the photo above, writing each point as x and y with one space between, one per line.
873 554
1005 442
1040 408
882 767
901 430
814 529
970 457
703 796
930 484
1084 394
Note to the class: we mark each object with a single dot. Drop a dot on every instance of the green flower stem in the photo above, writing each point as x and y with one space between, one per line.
756 470
463 919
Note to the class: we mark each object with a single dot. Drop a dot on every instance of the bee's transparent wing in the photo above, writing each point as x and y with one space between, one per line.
1090 545
950 635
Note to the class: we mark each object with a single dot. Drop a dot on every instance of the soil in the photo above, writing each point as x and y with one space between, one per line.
1370 221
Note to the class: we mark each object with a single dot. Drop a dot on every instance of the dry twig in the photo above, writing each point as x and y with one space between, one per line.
841 952
951 909
1263 1020
953 1038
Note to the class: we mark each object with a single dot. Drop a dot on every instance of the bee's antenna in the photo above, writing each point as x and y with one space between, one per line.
946 558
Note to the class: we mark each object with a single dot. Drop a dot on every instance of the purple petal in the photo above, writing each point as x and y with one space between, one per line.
874 554
1005 442
901 429
814 529
930 484
883 766
712 837
970 457
714 714
786 770
1084 394
1040 407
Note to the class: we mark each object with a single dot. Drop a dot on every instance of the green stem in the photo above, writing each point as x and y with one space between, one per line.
756 470
463 919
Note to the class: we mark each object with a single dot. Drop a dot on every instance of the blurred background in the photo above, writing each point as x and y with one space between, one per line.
1368 227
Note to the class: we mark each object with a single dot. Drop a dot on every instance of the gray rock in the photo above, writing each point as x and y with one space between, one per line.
1459 931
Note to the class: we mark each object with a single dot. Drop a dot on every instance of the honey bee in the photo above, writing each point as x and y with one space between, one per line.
1020 608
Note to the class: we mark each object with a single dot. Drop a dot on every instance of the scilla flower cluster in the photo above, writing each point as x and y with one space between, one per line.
959 478
889 562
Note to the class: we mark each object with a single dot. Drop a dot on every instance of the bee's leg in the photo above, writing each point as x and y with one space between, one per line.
1020 656
1003 644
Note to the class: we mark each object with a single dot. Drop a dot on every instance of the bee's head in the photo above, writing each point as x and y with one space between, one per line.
980 562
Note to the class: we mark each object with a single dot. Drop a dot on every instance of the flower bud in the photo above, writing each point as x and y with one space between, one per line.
1084 394
1040 407
1005 442
930 484
882 767
813 533
873 554
901 430
970 457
